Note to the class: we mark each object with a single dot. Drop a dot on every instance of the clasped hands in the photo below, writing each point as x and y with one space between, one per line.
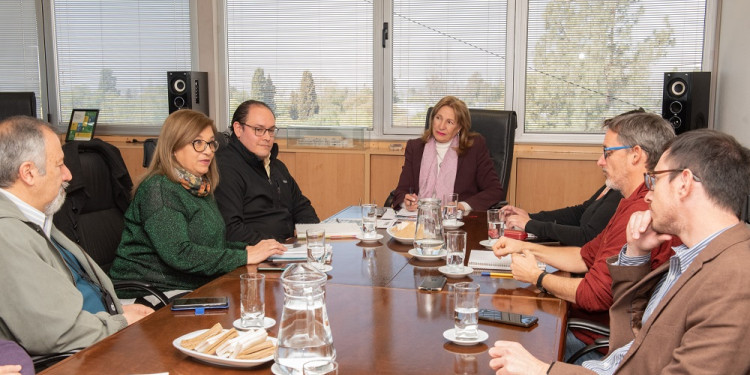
515 217
524 264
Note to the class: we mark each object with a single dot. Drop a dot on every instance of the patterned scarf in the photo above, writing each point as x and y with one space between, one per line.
198 186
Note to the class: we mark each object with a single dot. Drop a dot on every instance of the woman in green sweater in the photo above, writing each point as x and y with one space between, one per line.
174 233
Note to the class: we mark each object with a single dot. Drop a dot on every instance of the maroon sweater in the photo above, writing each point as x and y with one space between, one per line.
594 293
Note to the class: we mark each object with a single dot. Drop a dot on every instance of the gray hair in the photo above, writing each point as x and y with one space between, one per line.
647 130
21 140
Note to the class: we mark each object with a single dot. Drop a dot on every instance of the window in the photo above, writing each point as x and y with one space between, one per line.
588 60
311 61
444 48
114 56
19 51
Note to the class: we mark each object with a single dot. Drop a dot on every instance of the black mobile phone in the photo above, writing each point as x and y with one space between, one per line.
507 318
433 283
198 302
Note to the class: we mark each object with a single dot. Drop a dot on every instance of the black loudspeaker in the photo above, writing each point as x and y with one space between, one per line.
188 90
685 98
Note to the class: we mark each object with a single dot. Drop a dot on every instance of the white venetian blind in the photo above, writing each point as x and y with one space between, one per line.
19 49
311 61
114 56
447 48
588 60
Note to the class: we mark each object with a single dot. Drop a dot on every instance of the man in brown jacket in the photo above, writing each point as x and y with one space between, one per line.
689 315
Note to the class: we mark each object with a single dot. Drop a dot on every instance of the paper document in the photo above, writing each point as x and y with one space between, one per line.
333 230
486 259
406 213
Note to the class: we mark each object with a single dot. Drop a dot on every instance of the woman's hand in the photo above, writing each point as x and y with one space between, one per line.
410 202
263 250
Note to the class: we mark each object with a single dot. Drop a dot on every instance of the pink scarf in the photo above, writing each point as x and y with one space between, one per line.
432 183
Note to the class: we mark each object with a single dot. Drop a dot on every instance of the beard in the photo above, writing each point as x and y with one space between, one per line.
52 207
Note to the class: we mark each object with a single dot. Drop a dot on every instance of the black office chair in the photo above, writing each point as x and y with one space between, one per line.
499 130
587 325
17 103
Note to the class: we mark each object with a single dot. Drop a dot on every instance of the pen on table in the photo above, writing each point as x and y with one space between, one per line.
498 274
271 268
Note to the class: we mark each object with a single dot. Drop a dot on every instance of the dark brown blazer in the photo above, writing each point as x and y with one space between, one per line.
476 180
701 326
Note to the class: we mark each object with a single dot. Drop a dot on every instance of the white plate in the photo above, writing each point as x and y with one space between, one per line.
413 252
457 225
403 240
487 243
213 359
325 268
267 323
377 238
450 335
456 275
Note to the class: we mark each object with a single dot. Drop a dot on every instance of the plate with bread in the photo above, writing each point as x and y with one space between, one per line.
403 232
228 347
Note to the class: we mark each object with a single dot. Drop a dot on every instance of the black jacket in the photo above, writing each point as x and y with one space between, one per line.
254 206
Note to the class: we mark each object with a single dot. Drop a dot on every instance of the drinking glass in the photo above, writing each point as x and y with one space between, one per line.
495 223
369 220
450 209
466 311
252 301
456 247
320 367
316 247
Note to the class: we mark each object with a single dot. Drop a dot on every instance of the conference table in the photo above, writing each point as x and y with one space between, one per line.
380 321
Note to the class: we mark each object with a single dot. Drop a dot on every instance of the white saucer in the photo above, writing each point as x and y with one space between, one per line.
377 238
275 369
458 224
450 335
413 252
456 275
267 323
325 268
487 243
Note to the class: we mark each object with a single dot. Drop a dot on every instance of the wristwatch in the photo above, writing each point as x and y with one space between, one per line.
539 281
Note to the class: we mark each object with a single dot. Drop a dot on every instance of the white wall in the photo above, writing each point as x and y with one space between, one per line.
732 111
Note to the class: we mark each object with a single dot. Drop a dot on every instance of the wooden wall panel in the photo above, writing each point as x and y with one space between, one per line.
544 184
332 181
384 173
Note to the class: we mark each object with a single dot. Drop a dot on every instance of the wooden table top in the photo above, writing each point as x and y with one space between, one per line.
381 323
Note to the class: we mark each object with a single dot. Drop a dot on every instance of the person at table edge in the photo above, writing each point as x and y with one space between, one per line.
632 146
259 199
448 158
689 316
55 298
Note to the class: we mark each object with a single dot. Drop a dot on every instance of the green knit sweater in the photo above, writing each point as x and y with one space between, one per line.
174 239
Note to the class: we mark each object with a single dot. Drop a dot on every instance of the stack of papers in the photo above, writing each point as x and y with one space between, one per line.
406 213
333 230
291 254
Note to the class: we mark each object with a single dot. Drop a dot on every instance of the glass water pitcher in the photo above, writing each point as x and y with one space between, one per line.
304 332
428 237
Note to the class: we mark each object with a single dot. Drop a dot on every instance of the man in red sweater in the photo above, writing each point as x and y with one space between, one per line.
632 146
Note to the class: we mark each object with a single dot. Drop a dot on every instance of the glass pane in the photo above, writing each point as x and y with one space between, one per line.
311 61
115 55
447 48
19 50
588 60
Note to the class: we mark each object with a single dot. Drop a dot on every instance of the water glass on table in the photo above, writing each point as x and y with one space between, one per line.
252 301
495 223
316 247
320 367
467 310
456 247
450 209
369 220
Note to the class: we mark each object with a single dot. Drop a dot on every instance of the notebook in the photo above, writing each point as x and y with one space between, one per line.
486 259
333 230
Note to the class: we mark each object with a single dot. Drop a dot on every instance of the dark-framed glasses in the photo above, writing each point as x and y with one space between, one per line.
260 131
608 150
649 178
200 145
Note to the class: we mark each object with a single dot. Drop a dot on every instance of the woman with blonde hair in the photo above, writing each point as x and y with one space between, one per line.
448 158
174 235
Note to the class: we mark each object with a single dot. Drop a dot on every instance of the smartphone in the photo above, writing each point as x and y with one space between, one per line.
507 318
198 302
433 283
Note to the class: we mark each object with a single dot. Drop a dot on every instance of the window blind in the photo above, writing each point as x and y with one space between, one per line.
19 50
588 60
114 56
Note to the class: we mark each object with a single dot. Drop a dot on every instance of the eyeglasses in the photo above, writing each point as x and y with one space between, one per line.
200 145
260 131
649 178
606 150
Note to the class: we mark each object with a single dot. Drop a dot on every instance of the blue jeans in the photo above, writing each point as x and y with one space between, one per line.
573 344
